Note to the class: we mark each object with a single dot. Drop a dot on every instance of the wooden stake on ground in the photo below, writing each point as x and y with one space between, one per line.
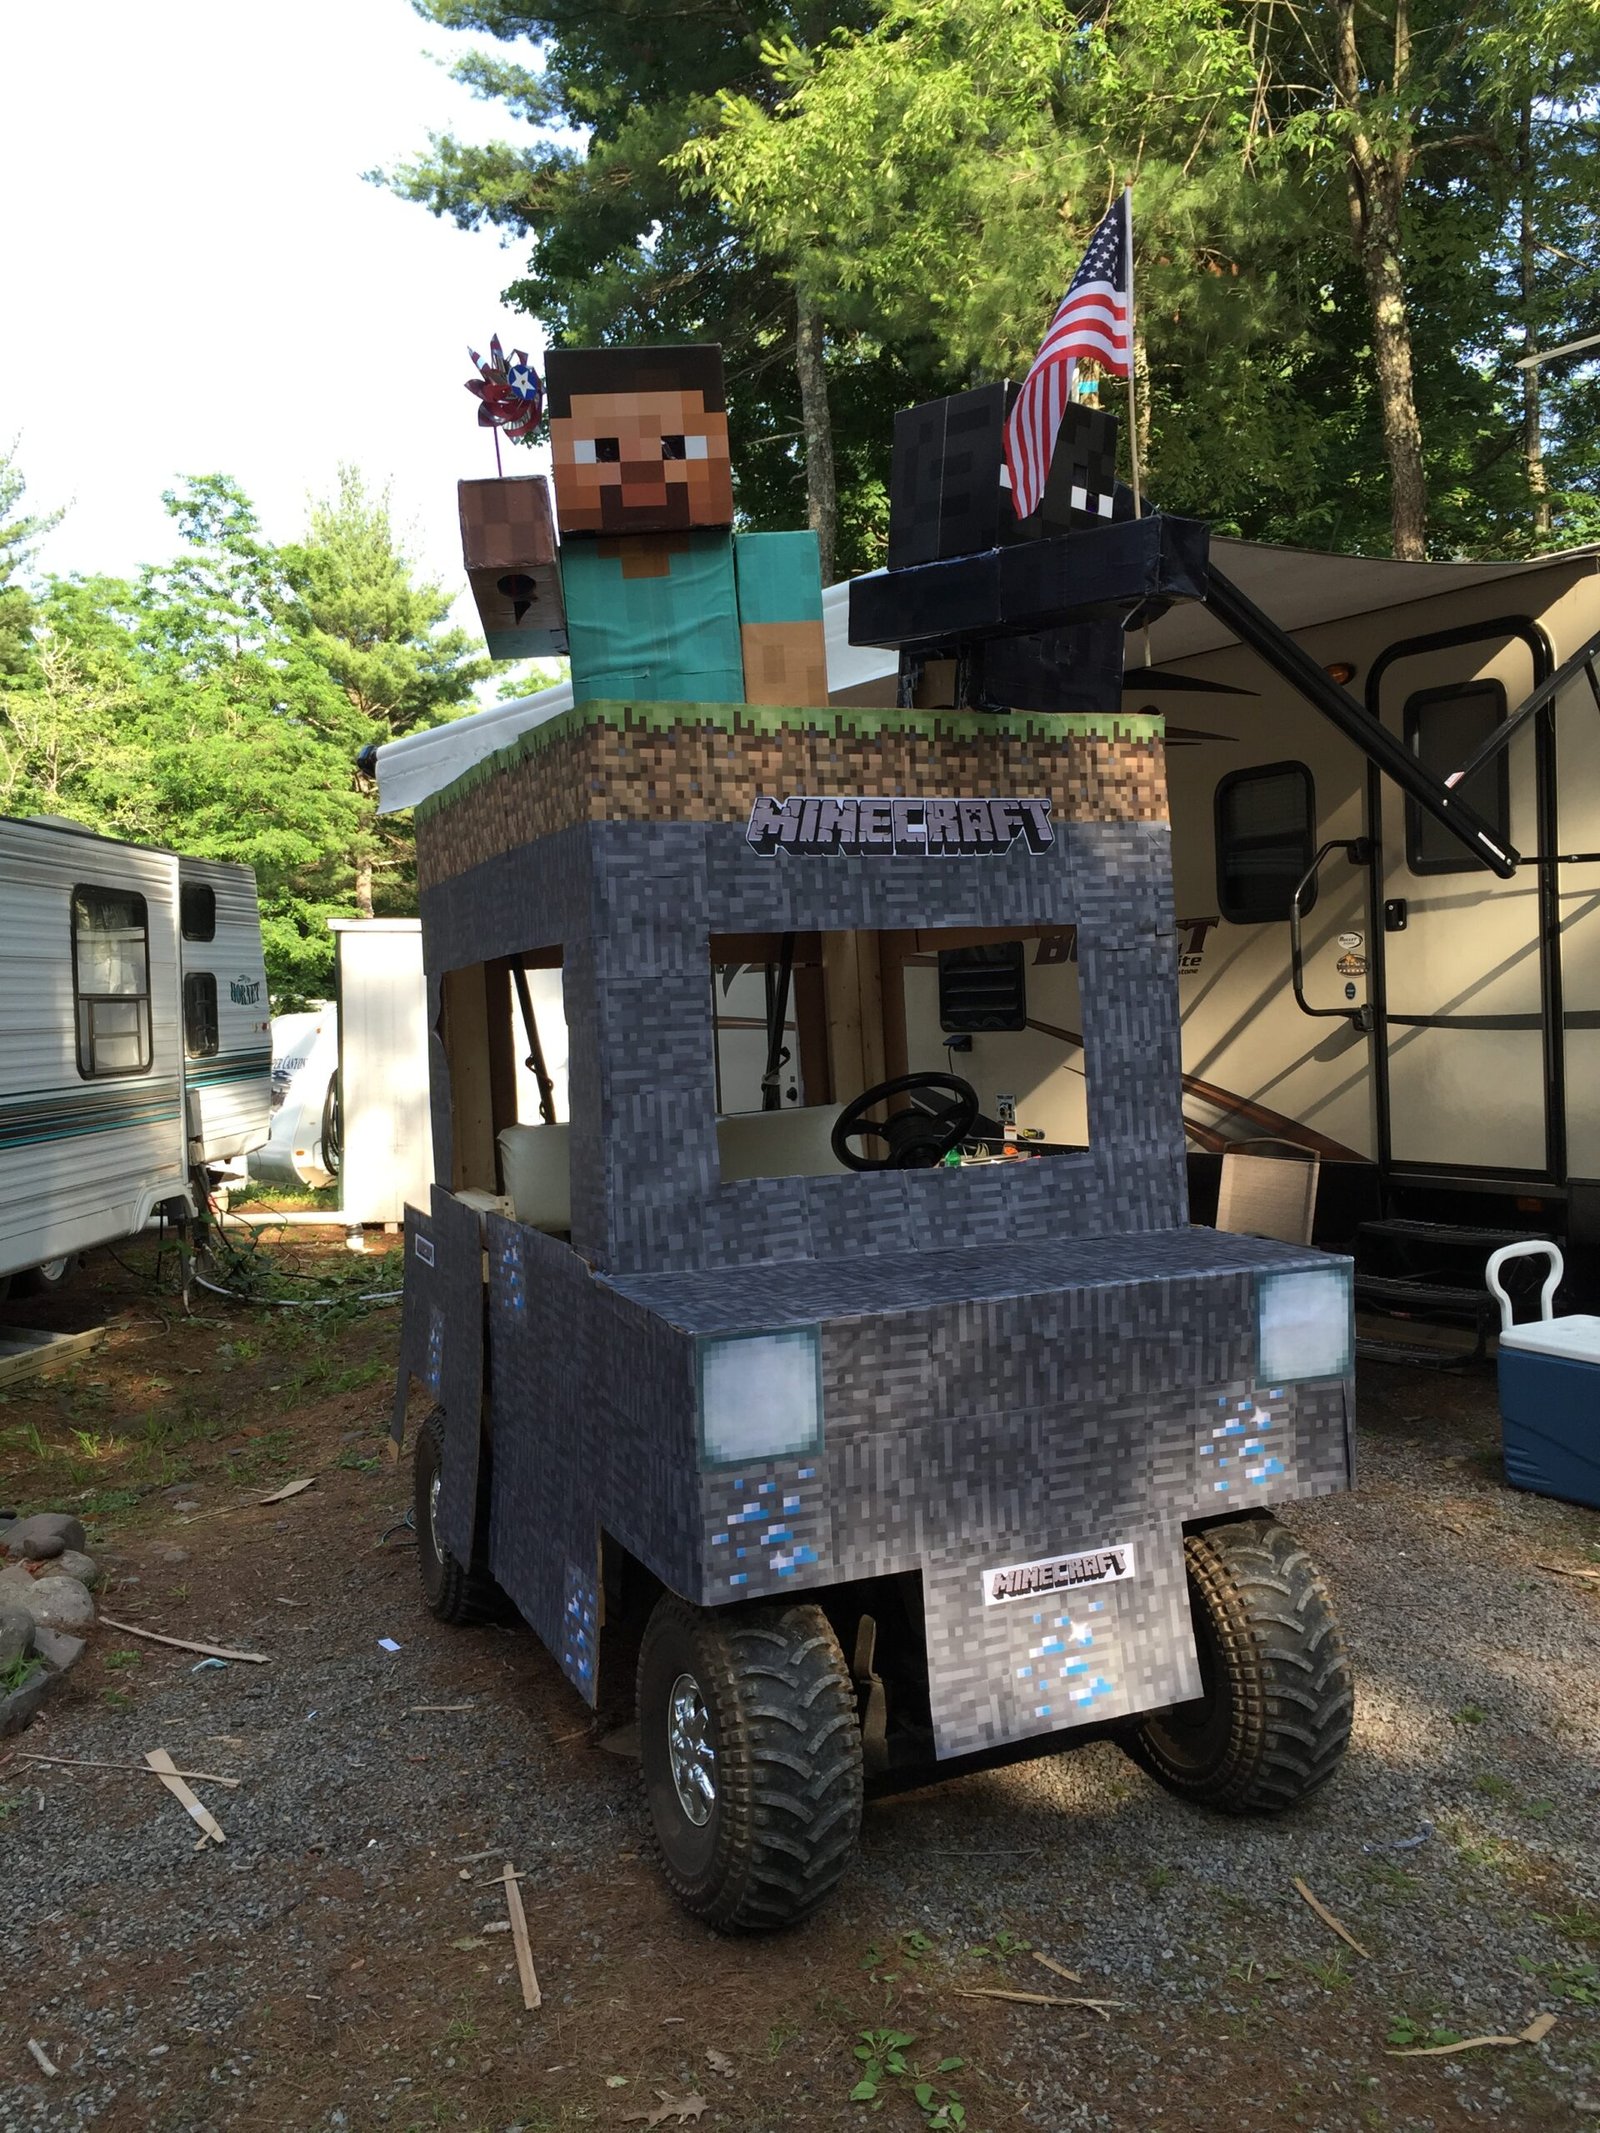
1036 1999
161 1763
183 1644
84 1762
531 1995
1330 1921
290 1488
1535 2033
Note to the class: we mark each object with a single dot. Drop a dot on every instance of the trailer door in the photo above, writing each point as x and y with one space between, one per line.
1463 1056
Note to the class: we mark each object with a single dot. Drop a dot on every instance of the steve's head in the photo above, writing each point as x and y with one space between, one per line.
639 437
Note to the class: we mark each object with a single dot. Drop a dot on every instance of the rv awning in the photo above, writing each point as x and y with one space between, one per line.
1298 588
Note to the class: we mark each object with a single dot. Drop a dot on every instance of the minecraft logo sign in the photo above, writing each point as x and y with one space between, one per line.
1057 1573
941 829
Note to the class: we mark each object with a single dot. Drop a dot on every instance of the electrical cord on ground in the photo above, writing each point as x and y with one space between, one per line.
227 1259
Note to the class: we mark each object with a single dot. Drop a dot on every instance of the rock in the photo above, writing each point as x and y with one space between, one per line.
16 1634
33 1547
70 1563
32 1537
16 1582
17 1708
60 1603
58 1651
171 1555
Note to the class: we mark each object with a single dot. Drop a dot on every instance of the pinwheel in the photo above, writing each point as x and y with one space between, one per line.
510 393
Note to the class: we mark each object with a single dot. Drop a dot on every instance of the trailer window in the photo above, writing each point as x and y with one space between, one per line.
197 911
1266 826
1442 728
200 1014
111 980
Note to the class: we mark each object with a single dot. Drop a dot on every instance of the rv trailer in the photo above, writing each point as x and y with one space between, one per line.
134 1051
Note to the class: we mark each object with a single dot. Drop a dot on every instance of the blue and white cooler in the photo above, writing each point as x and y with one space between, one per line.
1549 1388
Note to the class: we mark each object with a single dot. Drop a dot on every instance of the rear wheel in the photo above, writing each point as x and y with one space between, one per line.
1274 1719
452 1591
751 1754
49 1278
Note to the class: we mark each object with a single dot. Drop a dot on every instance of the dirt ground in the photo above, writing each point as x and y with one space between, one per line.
342 1961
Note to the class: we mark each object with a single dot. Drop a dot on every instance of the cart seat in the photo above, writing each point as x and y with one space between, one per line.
534 1167
793 1143
750 1144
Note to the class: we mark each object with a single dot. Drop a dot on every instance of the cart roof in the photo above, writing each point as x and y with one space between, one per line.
1298 587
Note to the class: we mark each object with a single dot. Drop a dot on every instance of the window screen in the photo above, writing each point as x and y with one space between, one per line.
197 911
200 1014
1442 728
1266 823
111 979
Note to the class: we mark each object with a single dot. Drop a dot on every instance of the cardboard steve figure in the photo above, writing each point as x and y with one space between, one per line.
664 602
838 1380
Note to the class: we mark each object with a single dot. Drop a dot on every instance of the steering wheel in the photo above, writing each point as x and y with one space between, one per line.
917 1139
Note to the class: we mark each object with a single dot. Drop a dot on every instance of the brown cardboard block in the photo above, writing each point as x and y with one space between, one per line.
639 439
506 523
784 663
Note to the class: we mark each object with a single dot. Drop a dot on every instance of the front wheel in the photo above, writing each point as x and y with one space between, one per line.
452 1591
751 1754
1274 1720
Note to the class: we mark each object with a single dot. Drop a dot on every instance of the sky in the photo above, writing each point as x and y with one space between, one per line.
197 278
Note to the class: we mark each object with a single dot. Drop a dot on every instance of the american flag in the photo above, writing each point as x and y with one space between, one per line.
1094 319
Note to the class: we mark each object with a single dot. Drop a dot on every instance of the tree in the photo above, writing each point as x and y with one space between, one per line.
381 637
20 534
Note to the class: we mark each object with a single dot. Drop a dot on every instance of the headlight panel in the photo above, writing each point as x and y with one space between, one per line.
760 1396
1305 1324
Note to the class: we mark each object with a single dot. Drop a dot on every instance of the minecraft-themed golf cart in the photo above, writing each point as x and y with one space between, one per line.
831 1371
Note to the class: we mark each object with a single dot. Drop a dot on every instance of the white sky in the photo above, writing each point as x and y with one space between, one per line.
197 279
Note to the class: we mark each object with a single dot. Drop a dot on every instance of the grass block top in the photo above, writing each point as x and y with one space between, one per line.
734 744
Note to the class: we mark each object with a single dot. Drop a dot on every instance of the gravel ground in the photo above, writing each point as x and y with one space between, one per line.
329 1965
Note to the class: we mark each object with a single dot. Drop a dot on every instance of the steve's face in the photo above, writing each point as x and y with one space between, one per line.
640 462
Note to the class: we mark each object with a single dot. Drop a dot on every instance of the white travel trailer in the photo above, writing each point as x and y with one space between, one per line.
134 1048
1355 980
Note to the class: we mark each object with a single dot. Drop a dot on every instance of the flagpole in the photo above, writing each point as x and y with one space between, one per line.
1133 391
1133 395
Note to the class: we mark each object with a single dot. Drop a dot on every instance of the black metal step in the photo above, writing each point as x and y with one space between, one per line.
1392 1292
1408 1230
1371 1351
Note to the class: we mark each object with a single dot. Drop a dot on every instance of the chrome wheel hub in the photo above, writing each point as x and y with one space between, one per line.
694 1760
434 1486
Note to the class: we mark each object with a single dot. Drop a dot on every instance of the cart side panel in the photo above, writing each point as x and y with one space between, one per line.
592 1414
457 1275
422 1320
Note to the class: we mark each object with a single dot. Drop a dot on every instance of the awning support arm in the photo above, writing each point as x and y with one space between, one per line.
1582 661
1293 664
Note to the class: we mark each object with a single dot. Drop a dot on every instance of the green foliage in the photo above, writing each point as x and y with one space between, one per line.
20 534
884 2068
217 704
17 1673
1405 2033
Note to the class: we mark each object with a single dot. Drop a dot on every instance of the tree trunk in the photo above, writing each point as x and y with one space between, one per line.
1391 351
1532 423
364 886
1375 186
822 495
